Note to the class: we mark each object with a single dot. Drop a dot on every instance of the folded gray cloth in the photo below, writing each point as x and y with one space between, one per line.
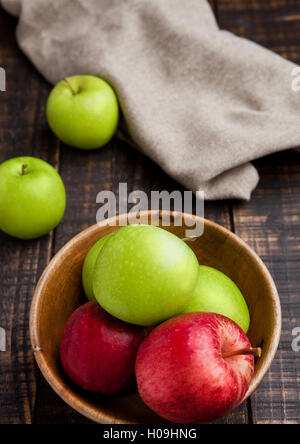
199 101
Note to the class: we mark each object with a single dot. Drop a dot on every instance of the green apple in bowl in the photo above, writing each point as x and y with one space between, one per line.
32 197
217 293
83 112
145 275
89 267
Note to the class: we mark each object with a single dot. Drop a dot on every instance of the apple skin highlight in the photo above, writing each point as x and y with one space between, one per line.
89 266
98 351
181 372
217 293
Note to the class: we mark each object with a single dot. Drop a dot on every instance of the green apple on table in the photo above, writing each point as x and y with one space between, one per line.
83 111
217 293
145 275
89 267
32 197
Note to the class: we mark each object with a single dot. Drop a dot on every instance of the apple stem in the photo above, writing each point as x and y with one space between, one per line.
71 87
23 172
245 351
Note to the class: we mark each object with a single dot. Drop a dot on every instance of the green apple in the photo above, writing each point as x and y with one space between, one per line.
32 197
217 293
83 112
89 267
144 275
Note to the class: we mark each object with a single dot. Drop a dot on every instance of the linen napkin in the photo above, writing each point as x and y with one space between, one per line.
199 101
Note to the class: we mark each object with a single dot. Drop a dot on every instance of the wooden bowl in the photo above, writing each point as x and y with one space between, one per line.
59 292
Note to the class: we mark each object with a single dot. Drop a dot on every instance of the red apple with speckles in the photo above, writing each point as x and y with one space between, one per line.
98 351
195 368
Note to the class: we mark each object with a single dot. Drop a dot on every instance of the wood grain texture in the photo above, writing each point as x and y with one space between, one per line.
274 24
270 222
23 131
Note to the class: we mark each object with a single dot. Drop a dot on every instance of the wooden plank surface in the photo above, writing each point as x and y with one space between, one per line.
272 23
23 131
270 222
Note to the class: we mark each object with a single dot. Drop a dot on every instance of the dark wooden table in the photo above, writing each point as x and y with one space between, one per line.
270 222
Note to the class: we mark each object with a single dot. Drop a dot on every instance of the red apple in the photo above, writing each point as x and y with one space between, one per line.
195 368
98 351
